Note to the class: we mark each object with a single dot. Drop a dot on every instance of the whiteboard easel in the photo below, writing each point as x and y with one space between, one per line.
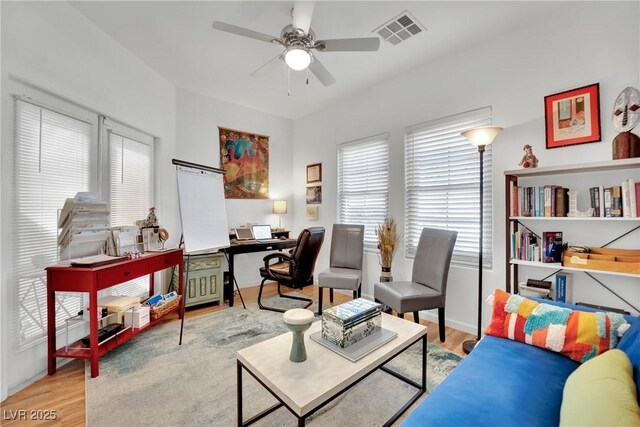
203 212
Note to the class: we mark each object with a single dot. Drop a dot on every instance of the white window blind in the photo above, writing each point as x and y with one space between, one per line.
442 179
130 190
53 156
363 184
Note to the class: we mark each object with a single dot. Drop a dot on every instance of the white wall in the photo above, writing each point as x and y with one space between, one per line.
197 121
580 44
51 45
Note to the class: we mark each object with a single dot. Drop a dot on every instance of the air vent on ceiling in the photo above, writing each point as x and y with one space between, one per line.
400 28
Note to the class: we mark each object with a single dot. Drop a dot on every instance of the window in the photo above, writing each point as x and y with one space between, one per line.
363 184
56 155
130 186
53 161
442 184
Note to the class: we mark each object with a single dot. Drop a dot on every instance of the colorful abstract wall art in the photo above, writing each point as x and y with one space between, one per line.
244 157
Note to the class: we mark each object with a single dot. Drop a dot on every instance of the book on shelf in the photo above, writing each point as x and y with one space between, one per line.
607 202
547 200
630 193
616 201
514 199
552 246
626 200
562 201
637 198
633 199
563 287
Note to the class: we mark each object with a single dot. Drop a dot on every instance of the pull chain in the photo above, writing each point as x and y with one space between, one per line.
288 81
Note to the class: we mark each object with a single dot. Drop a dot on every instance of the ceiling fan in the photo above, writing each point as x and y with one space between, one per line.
299 42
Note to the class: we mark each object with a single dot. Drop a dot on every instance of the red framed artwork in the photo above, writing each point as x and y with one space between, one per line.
573 117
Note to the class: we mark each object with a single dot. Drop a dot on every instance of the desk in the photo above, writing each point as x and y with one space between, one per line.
92 280
245 248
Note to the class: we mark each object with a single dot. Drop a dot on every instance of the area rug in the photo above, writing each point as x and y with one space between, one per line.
151 381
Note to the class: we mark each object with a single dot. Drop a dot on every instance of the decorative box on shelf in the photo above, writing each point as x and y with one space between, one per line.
351 322
137 318
619 260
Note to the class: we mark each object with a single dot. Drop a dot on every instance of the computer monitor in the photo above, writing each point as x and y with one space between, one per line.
262 232
244 234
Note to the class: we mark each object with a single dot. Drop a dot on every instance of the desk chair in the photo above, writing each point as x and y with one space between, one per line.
345 262
294 270
428 286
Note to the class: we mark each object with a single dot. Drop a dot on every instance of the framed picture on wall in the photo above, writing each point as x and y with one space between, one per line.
314 173
573 117
312 213
314 195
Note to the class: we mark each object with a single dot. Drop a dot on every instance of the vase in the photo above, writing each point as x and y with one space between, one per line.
298 320
385 275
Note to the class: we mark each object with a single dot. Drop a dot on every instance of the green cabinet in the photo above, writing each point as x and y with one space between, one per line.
204 283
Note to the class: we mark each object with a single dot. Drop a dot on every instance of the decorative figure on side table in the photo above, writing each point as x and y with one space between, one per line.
163 236
151 220
626 116
529 160
298 320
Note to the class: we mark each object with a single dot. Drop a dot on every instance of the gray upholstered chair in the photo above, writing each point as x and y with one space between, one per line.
345 262
428 286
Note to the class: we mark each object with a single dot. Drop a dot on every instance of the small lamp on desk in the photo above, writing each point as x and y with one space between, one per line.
280 208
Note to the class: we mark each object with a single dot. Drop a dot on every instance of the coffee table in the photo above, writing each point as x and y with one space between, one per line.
305 387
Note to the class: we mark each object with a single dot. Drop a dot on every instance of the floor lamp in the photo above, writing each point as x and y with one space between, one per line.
480 137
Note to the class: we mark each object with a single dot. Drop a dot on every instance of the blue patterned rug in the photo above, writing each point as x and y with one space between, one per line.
152 381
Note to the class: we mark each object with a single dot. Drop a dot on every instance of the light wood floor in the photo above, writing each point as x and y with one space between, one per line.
63 394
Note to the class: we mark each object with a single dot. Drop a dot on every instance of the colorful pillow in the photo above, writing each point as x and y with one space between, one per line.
578 335
601 392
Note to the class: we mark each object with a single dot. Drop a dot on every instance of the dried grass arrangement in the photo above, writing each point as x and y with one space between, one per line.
388 240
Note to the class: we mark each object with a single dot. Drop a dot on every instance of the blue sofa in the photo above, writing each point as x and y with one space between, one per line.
508 383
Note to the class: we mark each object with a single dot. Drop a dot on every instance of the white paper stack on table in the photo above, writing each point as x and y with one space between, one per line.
83 226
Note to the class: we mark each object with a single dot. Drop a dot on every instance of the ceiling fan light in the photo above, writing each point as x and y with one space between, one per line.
297 58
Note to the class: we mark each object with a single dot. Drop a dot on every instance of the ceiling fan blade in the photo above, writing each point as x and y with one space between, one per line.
321 73
348 45
302 12
268 66
222 26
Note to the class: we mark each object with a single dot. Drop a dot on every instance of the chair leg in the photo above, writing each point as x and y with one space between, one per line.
416 318
360 291
260 294
331 295
309 301
401 315
355 294
320 292
441 323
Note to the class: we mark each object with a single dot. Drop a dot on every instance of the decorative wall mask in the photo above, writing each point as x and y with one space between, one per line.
626 116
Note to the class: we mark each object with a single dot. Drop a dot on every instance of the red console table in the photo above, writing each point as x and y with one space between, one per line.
92 280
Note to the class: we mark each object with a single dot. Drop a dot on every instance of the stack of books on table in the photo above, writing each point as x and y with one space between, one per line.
348 323
83 226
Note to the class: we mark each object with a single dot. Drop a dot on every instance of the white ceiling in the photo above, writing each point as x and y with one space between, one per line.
177 40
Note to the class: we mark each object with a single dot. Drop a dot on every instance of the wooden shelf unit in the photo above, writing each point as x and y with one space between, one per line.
511 179
92 280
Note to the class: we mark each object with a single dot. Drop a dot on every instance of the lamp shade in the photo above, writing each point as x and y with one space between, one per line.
297 58
280 207
482 136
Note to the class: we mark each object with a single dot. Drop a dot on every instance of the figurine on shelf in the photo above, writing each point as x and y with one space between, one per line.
529 160
151 220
